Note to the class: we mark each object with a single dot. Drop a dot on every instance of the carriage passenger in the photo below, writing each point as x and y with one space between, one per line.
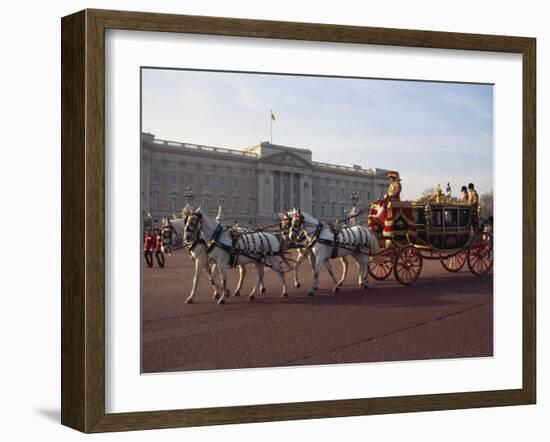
464 192
473 200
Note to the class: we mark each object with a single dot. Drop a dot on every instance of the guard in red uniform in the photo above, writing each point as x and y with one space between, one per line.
148 247
159 250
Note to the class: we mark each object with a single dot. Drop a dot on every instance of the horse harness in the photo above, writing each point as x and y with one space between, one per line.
335 243
248 239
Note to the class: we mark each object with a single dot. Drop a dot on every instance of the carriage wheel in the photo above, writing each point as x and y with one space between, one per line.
408 265
453 263
381 269
480 254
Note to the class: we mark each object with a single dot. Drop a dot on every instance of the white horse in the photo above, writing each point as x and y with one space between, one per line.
306 253
357 241
196 246
256 248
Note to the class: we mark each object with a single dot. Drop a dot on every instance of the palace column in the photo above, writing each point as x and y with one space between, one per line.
306 192
265 194
281 191
291 189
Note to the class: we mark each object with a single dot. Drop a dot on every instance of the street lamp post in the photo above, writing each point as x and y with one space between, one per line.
353 212
354 199
189 196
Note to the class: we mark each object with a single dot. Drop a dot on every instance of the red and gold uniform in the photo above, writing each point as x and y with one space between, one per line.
394 190
379 210
148 246
159 250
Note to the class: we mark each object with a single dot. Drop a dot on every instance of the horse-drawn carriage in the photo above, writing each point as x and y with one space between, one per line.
410 232
399 236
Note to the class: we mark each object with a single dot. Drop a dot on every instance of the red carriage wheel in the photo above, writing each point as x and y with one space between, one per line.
453 263
407 265
480 254
383 266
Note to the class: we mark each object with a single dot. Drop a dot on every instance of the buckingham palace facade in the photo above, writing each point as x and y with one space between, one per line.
251 185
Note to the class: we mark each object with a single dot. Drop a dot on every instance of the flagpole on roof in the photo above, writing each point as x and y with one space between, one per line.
271 120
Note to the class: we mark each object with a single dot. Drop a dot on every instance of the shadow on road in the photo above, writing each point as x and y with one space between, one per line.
429 292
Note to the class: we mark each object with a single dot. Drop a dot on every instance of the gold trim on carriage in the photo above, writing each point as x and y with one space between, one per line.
437 227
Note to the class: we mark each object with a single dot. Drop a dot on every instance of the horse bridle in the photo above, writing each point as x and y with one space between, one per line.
301 232
298 230
285 224
193 225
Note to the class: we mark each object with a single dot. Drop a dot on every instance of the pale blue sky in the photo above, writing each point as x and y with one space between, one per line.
431 132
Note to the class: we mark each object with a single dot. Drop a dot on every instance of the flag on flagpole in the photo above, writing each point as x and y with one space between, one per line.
273 116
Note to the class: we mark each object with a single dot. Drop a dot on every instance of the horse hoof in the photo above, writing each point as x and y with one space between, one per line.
189 301
366 287
251 298
262 290
284 295
335 289
297 285
237 293
311 293
221 301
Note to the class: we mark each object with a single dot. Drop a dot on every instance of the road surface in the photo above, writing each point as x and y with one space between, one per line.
443 315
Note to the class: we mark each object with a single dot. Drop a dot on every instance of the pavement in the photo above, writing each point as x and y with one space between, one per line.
442 315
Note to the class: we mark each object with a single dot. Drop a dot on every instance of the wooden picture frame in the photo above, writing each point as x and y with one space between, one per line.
83 211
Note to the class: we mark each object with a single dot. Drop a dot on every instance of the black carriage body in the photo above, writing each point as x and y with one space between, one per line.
443 226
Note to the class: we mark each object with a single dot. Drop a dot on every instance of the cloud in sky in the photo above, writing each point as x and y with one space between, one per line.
432 132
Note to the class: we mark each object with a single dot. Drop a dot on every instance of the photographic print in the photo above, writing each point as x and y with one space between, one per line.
294 220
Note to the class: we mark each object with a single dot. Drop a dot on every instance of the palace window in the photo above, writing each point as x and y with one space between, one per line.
236 205
250 207
221 182
205 181
236 183
155 178
173 203
173 179
189 180
155 202
205 207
